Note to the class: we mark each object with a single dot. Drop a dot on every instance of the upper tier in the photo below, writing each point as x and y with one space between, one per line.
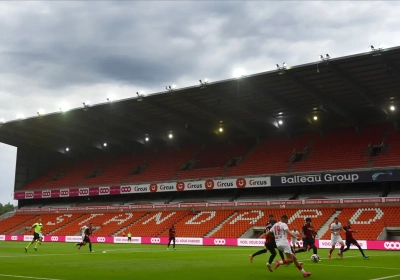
338 150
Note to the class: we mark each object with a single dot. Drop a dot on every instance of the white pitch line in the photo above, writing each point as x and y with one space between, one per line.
360 266
26 277
387 277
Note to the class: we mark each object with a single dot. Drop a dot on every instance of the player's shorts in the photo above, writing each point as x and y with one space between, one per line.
335 239
40 235
351 241
36 236
308 242
285 247
86 239
294 241
129 238
172 239
83 237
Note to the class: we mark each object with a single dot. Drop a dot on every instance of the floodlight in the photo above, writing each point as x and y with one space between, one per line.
20 116
315 118
280 122
111 98
221 129
280 113
239 72
174 86
392 108
327 56
277 66
40 112
105 144
170 136
64 107
284 65
147 139
67 149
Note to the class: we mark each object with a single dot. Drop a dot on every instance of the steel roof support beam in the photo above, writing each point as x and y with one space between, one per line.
246 109
325 100
356 87
285 104
181 115
232 121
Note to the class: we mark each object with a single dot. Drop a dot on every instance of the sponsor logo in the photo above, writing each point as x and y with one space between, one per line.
392 245
240 183
180 186
101 239
126 189
28 194
258 183
141 189
104 190
155 240
221 184
319 178
83 191
219 241
194 186
46 194
64 193
2 237
167 187
153 187
209 184
54 238
14 238
376 176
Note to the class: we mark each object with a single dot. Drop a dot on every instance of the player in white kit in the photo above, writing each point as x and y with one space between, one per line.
280 231
83 231
294 240
336 227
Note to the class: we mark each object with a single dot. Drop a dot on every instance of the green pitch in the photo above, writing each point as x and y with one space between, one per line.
128 261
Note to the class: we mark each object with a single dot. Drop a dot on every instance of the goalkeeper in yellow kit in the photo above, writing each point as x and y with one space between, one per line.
38 227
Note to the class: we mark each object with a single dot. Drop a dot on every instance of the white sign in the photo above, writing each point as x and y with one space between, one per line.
325 244
251 242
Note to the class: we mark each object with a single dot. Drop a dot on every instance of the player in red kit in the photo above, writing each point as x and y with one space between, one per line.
88 232
309 235
350 239
172 235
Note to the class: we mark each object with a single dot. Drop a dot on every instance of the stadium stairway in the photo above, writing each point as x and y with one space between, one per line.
16 222
326 226
124 229
218 227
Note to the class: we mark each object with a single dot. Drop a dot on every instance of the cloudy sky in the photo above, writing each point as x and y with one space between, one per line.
55 52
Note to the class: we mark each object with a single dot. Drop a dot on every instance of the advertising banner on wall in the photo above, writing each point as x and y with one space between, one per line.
250 182
336 177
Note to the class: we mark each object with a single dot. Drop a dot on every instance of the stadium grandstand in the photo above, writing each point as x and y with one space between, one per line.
316 140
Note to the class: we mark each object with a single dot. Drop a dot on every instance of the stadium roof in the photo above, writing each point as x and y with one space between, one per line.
349 90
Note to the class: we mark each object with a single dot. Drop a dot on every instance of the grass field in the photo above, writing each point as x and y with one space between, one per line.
128 261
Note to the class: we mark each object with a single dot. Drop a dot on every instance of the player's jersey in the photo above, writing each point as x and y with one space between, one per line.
88 231
279 230
38 227
83 229
336 228
349 232
172 232
295 232
270 224
309 231
129 234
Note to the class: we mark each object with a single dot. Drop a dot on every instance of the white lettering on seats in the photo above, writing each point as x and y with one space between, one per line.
253 220
305 213
119 218
378 215
210 216
59 219
158 219
91 217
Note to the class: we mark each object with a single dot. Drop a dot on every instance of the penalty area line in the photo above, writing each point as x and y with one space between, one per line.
387 277
26 277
